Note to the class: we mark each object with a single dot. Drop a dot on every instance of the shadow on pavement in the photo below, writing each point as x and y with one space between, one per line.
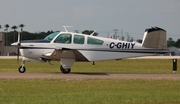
90 73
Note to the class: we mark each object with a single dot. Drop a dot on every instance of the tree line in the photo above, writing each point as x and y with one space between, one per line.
171 42
11 36
8 38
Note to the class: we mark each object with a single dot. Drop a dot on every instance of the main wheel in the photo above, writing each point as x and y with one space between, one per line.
65 71
22 69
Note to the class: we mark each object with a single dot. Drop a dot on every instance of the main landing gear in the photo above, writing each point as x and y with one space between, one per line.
65 70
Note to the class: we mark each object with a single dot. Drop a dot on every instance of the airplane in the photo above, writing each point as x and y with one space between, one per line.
69 47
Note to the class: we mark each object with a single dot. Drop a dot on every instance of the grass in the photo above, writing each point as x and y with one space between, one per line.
90 91
122 66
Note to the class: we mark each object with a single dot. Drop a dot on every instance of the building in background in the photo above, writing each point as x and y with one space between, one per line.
174 51
6 50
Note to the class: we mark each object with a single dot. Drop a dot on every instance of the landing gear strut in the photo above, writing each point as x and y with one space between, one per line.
64 70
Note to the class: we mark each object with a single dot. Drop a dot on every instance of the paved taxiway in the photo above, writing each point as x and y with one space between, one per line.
88 75
85 75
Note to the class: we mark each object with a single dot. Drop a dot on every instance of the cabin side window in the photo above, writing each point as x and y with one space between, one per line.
94 41
63 38
78 39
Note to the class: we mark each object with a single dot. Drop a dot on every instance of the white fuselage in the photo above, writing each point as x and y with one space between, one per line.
110 49
68 47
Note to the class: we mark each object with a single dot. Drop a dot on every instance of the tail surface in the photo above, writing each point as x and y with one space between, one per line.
155 37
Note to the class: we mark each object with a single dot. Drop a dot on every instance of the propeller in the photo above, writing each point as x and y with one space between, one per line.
18 47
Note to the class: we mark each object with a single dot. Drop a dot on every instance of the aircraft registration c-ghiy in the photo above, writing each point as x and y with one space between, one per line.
68 47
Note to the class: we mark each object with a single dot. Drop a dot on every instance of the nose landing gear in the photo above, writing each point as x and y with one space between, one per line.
22 68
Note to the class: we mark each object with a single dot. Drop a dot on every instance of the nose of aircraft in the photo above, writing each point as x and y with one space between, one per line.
15 44
18 43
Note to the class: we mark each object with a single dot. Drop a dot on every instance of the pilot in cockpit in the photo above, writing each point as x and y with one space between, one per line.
67 39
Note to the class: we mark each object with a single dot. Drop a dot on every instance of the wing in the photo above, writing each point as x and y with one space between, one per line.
65 53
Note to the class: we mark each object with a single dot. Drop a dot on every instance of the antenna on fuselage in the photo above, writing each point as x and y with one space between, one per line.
65 28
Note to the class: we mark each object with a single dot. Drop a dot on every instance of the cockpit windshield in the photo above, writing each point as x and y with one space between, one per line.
51 36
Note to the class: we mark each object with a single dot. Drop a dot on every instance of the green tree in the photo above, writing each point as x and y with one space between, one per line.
6 36
139 40
14 27
6 27
15 32
35 36
21 26
170 42
89 32
178 43
0 26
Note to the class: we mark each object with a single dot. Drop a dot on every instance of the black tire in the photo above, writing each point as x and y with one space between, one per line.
22 69
65 71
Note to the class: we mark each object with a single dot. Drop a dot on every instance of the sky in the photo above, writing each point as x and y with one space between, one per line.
132 16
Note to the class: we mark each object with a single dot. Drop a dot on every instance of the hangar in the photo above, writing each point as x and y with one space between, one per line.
6 50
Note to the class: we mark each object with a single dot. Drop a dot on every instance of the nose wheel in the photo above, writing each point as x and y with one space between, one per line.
22 69
65 70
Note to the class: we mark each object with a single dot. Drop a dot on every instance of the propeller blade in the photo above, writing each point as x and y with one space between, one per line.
18 48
